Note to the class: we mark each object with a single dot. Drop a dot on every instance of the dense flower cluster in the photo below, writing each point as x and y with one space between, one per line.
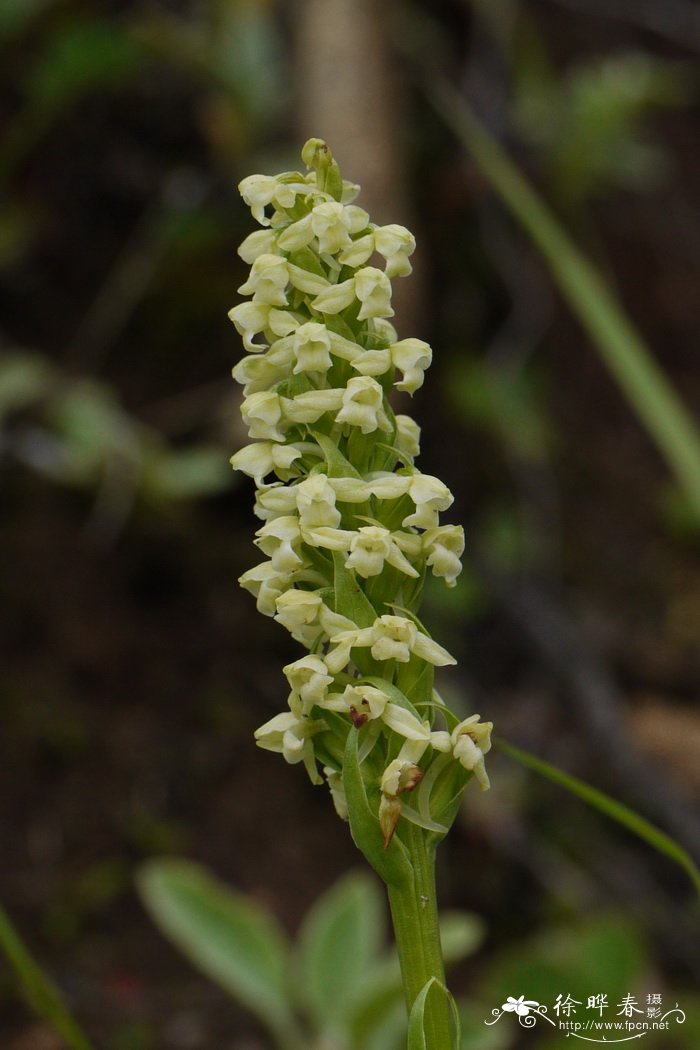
350 526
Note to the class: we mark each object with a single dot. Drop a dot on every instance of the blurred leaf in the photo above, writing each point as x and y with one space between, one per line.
604 953
460 934
638 825
478 1036
224 934
24 378
82 56
16 15
188 473
339 940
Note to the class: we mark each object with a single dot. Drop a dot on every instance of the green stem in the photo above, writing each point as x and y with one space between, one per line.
414 914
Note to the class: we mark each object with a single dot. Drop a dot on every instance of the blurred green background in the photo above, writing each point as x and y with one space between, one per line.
133 668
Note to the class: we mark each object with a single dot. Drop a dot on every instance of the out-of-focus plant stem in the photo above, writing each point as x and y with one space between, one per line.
643 382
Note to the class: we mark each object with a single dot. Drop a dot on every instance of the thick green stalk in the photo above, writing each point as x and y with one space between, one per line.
414 914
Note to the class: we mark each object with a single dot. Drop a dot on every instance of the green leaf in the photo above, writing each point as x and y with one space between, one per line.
416 1022
42 994
337 466
223 934
189 473
638 825
350 599
390 864
339 940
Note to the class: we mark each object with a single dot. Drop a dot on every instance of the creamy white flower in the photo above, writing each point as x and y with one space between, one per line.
389 638
384 330
306 280
370 547
471 740
430 496
331 224
274 500
411 357
260 190
262 414
266 584
263 457
315 502
372 362
358 252
262 371
407 436
395 243
269 277
250 320
443 547
309 679
311 405
291 735
280 540
297 235
261 242
403 722
299 612
363 405
373 289
399 776
335 783
311 347
335 298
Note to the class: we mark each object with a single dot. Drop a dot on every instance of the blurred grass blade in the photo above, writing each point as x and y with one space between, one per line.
638 825
42 994
643 382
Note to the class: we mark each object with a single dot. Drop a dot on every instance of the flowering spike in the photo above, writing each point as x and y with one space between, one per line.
350 525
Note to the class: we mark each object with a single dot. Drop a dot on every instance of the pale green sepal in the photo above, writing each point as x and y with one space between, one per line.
395 695
391 864
337 466
421 821
350 599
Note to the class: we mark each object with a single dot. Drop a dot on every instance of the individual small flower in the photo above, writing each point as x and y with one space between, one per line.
261 242
395 243
335 298
389 638
315 501
291 734
309 679
275 499
363 405
471 740
260 190
443 547
373 289
266 584
262 414
299 612
263 371
335 783
373 545
331 223
312 348
311 405
263 457
269 277
250 320
280 540
430 495
411 357
399 776
407 436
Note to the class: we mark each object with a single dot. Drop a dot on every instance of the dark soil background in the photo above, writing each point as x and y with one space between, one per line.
134 670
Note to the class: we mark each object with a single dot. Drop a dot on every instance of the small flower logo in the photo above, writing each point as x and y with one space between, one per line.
520 1006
